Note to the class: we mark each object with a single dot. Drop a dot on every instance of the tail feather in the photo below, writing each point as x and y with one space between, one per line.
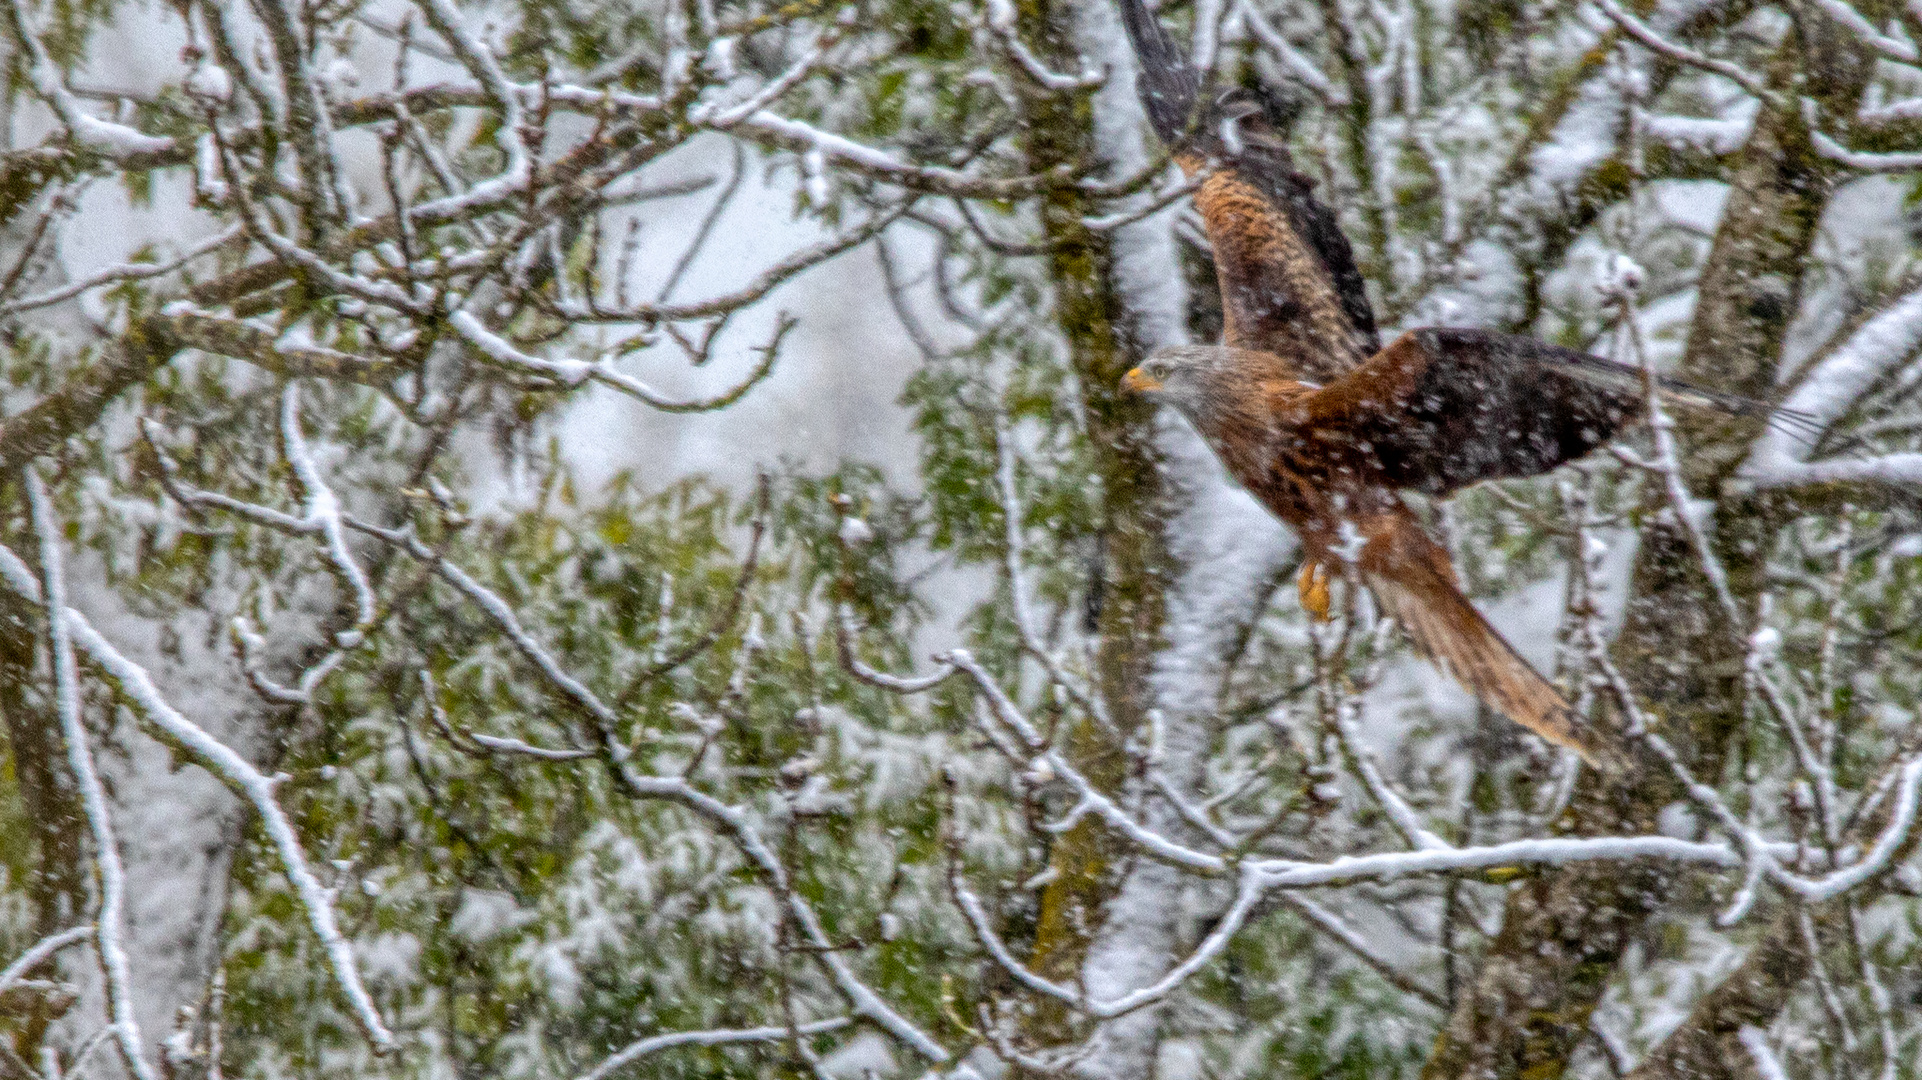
1169 86
1411 578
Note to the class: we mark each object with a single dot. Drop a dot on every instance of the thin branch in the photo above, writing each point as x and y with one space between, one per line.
238 775
1656 43
121 272
844 634
641 1048
1351 939
40 951
477 745
110 923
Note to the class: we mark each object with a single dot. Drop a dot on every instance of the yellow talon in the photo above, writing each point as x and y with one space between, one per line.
1313 585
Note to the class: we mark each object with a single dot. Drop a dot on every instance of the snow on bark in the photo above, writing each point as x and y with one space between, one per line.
1581 140
1756 1042
1719 135
1146 262
177 861
1225 546
1831 388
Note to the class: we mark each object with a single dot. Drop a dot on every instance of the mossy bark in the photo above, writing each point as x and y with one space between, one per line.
1708 1046
1094 324
1564 933
49 847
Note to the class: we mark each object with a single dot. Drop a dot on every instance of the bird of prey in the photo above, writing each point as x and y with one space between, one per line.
1326 428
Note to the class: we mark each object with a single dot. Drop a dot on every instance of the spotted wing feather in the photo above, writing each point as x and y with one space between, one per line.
1439 409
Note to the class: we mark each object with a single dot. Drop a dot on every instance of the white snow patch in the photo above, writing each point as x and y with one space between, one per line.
392 958
1886 341
867 1054
1720 135
1181 1059
1678 820
210 82
485 914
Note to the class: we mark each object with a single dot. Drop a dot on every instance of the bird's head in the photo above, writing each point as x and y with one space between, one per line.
1195 379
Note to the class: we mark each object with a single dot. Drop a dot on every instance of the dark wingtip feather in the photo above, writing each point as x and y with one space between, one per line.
1798 425
1169 87
1610 375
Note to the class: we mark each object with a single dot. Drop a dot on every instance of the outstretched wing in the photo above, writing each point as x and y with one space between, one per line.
1439 409
1288 279
1413 581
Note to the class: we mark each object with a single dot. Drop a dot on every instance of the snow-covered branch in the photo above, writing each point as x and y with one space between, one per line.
41 951
121 272
1655 42
803 137
1867 161
1013 560
1362 761
845 634
1297 64
104 136
1667 463
1846 15
1001 20
511 133
323 513
237 773
641 1048
1351 939
110 924
479 744
1826 394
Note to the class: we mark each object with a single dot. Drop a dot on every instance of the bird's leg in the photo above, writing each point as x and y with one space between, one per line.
1313 586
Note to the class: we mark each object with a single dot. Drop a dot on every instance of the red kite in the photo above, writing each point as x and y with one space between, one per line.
1325 428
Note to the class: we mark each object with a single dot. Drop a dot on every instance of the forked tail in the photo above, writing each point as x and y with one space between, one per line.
1411 578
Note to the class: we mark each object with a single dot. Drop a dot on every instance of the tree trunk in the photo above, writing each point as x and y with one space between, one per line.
1563 934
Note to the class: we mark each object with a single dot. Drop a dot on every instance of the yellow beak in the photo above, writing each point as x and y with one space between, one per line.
1140 382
